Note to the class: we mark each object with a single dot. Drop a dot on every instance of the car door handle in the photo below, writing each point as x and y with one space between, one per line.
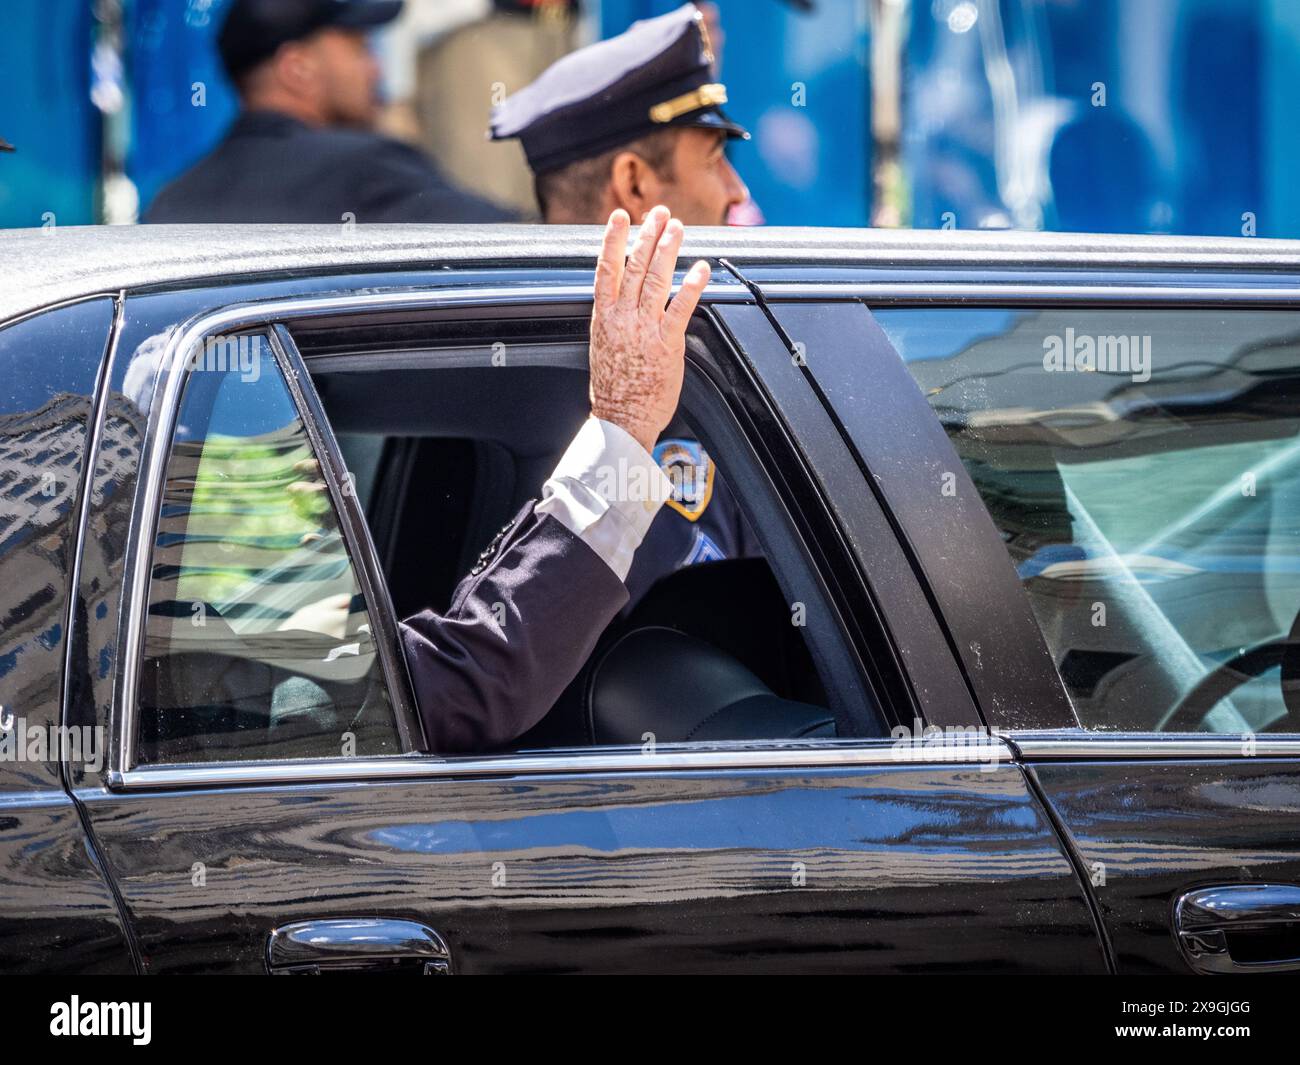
1240 928
356 944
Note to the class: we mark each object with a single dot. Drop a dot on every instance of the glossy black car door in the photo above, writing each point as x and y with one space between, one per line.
834 856
1189 841
57 912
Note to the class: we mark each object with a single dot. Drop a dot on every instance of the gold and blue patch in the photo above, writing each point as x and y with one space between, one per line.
688 466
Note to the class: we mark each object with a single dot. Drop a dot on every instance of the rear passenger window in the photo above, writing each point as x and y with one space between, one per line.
258 642
1143 467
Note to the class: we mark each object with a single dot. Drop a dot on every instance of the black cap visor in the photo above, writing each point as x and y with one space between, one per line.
713 118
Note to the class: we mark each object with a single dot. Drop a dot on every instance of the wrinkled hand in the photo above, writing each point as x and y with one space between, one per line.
638 346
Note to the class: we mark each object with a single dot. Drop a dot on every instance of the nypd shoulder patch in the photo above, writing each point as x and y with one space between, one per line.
688 466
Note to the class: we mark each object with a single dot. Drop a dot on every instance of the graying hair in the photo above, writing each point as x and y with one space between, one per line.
576 190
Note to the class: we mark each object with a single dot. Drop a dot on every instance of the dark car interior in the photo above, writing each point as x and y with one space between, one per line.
447 448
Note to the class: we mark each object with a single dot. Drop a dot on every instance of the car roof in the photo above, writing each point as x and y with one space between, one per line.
39 267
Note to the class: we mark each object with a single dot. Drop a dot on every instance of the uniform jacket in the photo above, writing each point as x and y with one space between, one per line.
520 626
529 614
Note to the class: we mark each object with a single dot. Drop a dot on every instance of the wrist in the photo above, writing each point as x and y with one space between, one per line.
638 429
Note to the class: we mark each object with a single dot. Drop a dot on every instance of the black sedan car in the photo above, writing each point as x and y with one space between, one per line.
1022 612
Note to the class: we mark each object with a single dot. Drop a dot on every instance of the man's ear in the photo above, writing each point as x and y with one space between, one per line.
296 66
634 185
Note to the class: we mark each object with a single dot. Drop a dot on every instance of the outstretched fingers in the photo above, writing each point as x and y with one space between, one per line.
684 303
639 261
659 277
609 267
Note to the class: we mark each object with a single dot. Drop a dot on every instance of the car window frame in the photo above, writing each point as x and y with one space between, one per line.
272 316
894 606
727 399
169 387
710 357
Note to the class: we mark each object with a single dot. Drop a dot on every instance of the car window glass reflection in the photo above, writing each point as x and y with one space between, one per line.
258 642
1143 468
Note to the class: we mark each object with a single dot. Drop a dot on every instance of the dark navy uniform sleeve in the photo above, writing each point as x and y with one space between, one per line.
519 628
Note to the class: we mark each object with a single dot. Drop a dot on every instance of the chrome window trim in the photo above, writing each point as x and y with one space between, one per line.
1018 293
355 534
1079 745
979 750
71 301
94 440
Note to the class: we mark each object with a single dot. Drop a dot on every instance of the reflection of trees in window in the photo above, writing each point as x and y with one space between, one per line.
257 644
244 517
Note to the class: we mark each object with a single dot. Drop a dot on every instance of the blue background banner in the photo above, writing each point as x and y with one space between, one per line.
1158 116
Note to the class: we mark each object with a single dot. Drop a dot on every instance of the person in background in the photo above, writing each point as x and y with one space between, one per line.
303 147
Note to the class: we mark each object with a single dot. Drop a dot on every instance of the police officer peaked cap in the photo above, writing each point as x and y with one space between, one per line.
657 75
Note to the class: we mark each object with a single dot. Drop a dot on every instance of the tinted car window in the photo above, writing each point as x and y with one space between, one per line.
258 642
50 362
1143 468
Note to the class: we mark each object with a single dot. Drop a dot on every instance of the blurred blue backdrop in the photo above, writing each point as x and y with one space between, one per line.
45 65
181 102
1087 115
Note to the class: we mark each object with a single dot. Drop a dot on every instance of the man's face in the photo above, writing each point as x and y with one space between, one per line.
346 77
704 184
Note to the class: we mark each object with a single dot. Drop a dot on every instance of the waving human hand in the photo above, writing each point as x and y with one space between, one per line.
638 338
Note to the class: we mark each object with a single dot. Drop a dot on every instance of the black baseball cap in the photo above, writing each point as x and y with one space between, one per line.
254 30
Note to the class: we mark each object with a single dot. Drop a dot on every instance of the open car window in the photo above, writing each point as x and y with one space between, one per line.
1143 468
719 640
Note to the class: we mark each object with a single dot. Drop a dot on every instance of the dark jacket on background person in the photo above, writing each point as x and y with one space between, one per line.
270 167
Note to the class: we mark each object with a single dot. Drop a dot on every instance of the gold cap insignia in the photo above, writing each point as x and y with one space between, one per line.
710 95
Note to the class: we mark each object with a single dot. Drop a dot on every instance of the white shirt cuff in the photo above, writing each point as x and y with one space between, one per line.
606 489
